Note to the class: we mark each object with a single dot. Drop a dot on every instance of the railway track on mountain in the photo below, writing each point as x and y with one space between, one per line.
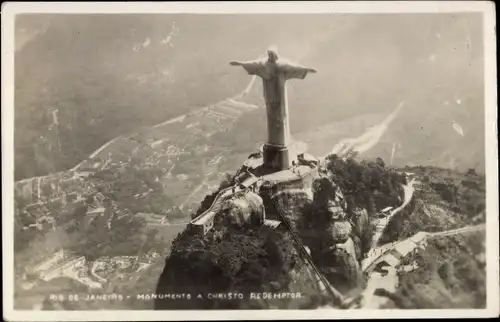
323 284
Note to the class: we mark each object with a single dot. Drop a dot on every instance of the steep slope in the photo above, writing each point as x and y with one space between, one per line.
336 225
445 200
324 224
447 268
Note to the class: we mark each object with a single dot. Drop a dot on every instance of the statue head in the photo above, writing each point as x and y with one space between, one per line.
272 53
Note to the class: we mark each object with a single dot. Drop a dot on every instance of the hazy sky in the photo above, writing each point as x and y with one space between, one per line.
156 66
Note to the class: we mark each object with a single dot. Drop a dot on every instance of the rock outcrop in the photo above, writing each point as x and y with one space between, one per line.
245 209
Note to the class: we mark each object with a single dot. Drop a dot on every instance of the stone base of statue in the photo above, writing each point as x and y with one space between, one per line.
277 158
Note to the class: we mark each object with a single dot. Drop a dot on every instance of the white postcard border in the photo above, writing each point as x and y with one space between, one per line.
10 9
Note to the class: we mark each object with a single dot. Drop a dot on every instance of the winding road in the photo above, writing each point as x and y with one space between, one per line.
382 223
463 230
389 281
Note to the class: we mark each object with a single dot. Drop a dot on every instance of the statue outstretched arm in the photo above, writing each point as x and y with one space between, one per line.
252 67
296 71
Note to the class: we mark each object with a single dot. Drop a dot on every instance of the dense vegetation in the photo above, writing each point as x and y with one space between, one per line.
450 271
451 274
368 185
127 236
445 200
124 186
119 231
131 191
244 261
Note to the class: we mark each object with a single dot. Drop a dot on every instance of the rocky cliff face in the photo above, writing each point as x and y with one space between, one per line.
236 262
334 222
325 228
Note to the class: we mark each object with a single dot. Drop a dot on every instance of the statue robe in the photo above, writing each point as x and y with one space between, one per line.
274 76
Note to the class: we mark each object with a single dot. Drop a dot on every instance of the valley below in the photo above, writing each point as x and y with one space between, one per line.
175 156
120 145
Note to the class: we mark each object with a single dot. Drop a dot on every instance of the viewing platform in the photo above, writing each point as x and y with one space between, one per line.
304 167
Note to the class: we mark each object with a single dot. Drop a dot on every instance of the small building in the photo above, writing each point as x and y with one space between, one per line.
203 224
396 253
251 184
405 247
307 159
420 238
92 214
272 223
83 174
387 260
53 260
402 249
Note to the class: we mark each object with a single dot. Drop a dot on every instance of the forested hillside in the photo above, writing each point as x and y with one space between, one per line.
451 274
445 200
259 259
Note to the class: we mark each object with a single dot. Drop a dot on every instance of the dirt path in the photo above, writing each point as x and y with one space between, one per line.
368 139
375 252
382 223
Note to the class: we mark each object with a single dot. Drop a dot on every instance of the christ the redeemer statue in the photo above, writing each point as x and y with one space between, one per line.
274 75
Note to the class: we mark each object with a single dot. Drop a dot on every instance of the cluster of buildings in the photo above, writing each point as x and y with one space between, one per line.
91 274
101 212
44 215
104 267
59 197
63 264
33 190
401 250
170 151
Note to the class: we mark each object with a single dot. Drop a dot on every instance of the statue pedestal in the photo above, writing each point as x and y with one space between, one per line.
278 158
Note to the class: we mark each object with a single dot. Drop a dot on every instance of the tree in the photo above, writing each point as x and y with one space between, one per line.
380 162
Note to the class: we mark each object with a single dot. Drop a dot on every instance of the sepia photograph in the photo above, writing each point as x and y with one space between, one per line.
173 161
